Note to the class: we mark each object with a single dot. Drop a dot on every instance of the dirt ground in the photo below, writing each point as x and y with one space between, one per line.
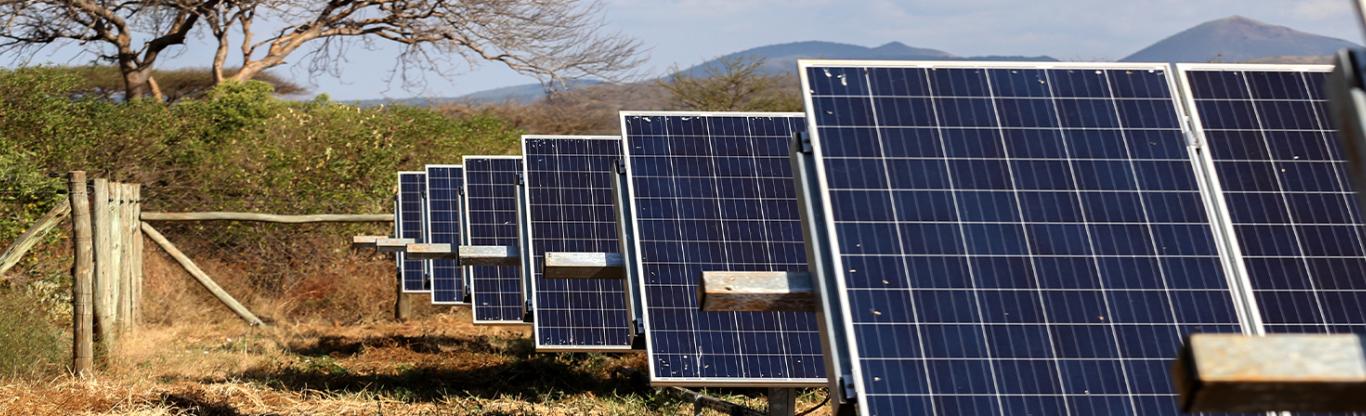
437 365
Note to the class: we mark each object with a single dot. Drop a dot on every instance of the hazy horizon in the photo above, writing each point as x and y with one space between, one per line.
686 32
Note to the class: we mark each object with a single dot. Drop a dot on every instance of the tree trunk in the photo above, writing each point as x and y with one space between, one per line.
136 83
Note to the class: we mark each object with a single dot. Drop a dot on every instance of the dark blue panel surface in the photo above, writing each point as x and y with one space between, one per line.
491 204
444 184
715 192
1293 211
412 188
569 193
1013 240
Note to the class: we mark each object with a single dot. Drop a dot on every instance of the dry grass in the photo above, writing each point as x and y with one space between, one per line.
439 365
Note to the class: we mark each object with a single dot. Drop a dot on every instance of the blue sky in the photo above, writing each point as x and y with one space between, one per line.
685 32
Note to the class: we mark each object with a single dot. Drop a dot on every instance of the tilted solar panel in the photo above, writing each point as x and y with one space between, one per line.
570 209
491 206
444 184
714 192
412 188
1009 238
1285 187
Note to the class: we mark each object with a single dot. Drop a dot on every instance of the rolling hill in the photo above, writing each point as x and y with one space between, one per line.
1230 39
1238 39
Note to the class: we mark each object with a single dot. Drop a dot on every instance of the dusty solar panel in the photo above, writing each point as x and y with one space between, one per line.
571 209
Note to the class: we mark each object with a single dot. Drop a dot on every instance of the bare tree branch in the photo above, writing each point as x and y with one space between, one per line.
106 28
553 40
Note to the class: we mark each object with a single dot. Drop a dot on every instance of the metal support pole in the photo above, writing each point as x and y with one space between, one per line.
626 237
782 401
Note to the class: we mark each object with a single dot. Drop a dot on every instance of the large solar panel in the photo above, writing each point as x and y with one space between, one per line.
570 209
714 192
1011 238
491 204
1284 184
412 188
444 185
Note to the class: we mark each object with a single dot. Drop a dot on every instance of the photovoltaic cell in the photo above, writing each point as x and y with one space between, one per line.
491 206
714 192
569 194
412 188
1012 238
1284 183
444 183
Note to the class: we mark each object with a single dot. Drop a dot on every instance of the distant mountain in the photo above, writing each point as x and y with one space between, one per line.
777 59
1239 39
1231 39
782 58
520 93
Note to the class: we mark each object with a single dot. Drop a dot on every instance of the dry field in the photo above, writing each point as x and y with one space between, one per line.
437 365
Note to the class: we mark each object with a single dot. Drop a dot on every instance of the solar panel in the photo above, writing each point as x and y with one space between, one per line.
1284 184
412 189
714 192
1010 238
444 183
491 207
570 209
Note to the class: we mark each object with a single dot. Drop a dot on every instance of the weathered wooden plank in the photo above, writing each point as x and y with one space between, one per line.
32 236
127 230
365 241
136 255
420 251
105 271
115 257
562 265
392 245
1284 372
757 291
83 277
200 276
488 256
256 217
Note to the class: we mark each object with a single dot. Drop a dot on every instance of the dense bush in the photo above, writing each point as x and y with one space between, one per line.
238 148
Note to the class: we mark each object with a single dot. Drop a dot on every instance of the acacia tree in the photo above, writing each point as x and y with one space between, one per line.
130 34
553 40
733 84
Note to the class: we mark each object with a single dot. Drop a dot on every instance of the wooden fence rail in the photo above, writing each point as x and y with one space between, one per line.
30 237
255 217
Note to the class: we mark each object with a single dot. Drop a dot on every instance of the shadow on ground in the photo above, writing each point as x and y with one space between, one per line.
487 367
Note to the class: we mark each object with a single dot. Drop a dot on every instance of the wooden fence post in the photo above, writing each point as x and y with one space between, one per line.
82 273
115 258
126 233
104 271
136 255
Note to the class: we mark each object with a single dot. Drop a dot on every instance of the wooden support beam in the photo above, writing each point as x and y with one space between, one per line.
200 276
757 291
392 245
420 251
365 241
488 256
255 217
32 236
560 265
82 277
1301 372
